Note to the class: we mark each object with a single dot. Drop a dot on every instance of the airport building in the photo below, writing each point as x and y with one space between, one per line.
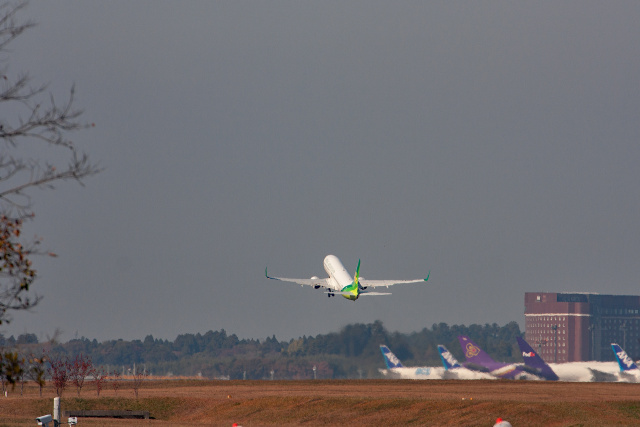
574 327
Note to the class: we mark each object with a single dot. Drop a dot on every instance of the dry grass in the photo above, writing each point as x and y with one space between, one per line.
353 403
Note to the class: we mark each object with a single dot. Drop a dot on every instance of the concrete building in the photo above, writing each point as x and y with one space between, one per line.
573 327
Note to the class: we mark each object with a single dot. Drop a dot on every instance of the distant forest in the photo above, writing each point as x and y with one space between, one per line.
353 352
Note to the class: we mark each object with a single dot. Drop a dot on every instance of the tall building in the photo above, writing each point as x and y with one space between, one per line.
573 327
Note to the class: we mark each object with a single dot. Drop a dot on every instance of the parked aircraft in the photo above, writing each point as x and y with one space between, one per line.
628 369
453 369
536 365
573 371
397 369
589 371
625 363
478 360
447 358
339 281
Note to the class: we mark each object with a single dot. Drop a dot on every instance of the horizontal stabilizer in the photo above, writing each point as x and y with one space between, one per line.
601 377
363 293
476 367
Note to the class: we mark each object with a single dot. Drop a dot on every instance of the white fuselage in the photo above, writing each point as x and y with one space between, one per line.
435 373
339 277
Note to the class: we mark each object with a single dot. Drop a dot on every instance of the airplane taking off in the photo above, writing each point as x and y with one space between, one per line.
478 360
340 282
535 363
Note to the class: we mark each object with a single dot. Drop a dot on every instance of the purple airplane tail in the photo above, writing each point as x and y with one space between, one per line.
478 360
532 360
473 353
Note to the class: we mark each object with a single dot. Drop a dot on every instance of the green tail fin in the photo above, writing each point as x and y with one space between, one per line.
357 276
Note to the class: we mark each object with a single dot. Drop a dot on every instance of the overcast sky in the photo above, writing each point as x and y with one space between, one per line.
494 143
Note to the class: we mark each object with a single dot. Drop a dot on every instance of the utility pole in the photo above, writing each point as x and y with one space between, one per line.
540 342
555 339
591 329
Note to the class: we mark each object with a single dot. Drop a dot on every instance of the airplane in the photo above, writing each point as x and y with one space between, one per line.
339 281
390 359
536 365
572 371
447 358
626 364
396 369
478 360
455 370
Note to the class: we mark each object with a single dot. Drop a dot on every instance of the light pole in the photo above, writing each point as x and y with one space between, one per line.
540 342
592 329
555 339
623 326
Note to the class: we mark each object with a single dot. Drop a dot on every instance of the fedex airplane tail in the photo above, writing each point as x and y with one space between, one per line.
447 358
390 359
625 362
532 360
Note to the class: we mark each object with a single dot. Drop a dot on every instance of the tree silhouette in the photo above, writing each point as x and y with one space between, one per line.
138 378
80 368
115 381
99 379
36 370
30 122
59 372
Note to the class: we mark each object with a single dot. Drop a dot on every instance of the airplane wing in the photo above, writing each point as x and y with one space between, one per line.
315 282
367 283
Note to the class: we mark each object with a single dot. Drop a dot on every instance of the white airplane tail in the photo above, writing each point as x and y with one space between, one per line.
625 362
390 359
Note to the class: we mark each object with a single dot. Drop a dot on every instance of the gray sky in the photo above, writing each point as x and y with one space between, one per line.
494 143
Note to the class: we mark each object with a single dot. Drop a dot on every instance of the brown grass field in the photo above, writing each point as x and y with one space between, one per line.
342 403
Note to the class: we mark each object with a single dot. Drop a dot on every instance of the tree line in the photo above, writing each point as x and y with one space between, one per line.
353 352
60 371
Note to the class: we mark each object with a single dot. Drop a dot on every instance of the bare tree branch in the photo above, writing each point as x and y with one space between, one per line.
9 29
32 123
